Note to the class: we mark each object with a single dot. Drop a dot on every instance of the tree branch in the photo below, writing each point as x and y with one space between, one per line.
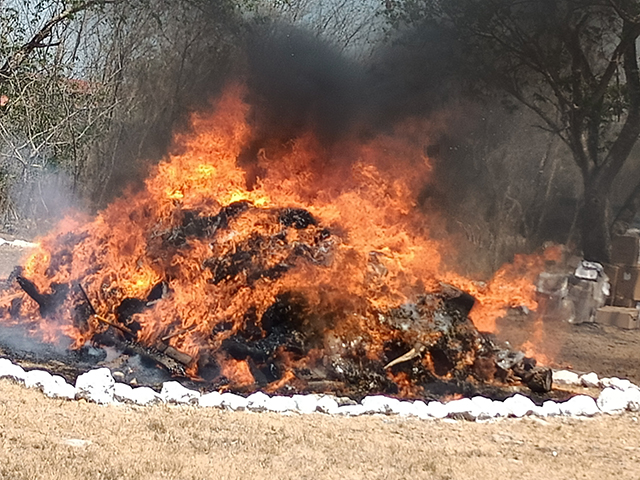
552 125
634 20
19 56
627 213
628 37
630 131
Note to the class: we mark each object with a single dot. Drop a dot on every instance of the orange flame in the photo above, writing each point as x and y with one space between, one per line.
383 257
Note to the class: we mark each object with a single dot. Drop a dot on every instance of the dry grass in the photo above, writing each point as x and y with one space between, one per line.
41 438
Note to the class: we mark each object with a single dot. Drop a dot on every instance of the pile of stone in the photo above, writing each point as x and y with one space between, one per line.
99 386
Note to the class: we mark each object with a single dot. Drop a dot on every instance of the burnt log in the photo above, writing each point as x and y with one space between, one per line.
150 353
194 225
112 338
48 303
171 352
297 218
538 379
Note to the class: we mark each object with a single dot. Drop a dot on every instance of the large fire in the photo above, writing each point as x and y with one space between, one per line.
197 258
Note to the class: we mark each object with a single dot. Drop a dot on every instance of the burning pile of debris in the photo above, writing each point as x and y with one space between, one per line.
429 347
299 284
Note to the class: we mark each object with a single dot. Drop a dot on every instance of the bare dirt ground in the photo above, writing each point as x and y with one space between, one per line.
588 347
53 439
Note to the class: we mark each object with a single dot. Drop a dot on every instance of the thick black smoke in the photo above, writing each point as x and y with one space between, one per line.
297 82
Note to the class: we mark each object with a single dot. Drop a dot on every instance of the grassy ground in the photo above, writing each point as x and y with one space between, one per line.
41 438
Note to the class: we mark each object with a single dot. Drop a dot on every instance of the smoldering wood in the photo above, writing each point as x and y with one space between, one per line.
22 348
297 218
410 355
195 225
162 358
161 352
178 333
538 379
47 303
171 352
170 358
110 338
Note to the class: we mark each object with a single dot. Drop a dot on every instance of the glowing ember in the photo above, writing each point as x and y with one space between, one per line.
230 276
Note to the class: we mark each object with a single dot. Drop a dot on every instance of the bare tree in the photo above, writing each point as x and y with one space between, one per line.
572 62
42 38
353 26
89 87
47 117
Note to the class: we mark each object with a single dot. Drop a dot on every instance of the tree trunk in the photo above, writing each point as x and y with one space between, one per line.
594 220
